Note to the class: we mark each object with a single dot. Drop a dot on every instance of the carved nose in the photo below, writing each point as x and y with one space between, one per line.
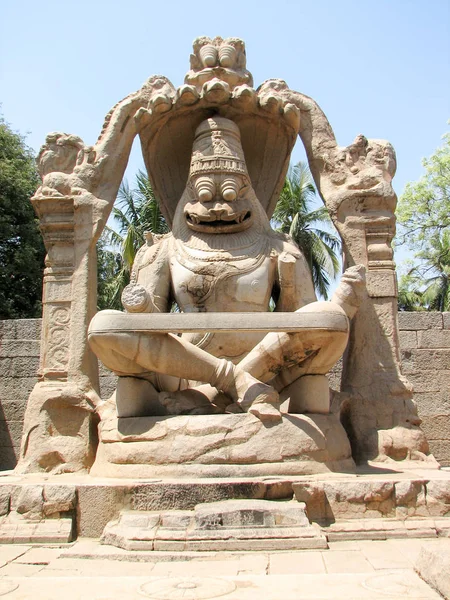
219 213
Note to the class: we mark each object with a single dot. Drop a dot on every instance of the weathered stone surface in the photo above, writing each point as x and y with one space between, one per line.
59 498
408 339
231 524
27 530
446 320
13 348
419 320
5 498
22 329
441 450
425 359
98 505
427 381
20 366
249 513
232 445
433 565
379 529
28 501
438 498
313 495
178 496
369 499
433 339
437 426
433 404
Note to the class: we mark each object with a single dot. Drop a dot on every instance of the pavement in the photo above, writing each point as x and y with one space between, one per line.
350 570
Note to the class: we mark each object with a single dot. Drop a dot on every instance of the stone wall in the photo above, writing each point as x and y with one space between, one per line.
425 348
425 351
19 362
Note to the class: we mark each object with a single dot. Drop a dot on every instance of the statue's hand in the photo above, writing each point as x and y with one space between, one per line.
135 298
351 290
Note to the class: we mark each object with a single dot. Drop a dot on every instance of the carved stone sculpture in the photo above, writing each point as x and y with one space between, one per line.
222 256
227 387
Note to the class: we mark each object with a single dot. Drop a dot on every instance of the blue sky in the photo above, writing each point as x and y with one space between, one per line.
377 67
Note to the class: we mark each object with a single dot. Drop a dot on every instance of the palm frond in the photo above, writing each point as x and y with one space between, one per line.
294 215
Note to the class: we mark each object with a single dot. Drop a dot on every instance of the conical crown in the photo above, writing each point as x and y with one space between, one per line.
217 148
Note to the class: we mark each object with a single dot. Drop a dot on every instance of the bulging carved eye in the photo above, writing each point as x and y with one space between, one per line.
229 189
208 55
227 56
205 189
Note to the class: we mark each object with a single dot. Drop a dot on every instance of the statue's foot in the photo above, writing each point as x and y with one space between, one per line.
265 412
257 398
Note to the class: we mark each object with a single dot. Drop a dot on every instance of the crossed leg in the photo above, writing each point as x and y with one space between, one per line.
277 361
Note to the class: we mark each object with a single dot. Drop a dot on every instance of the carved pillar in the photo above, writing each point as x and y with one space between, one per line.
380 403
57 227
59 432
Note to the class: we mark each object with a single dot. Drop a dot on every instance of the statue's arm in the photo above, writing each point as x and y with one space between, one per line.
150 287
113 147
294 280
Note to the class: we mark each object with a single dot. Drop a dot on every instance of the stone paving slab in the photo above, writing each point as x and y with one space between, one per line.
359 586
9 553
87 569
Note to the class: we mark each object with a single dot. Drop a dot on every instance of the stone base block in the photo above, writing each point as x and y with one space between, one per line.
231 445
49 531
383 529
433 565
217 526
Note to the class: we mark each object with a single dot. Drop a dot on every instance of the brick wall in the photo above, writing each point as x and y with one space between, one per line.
425 348
425 351
19 362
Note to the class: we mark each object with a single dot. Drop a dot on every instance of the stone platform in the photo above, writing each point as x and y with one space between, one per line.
223 445
376 502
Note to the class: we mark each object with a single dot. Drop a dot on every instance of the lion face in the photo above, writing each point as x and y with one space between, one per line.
219 203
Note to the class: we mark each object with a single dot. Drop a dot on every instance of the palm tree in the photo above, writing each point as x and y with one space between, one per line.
428 283
293 215
136 213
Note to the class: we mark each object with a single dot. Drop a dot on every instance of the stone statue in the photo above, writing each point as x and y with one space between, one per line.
222 256
226 387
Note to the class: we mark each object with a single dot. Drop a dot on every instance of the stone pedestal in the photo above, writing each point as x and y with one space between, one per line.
238 445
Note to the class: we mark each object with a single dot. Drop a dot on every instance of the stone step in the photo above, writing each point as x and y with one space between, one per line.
216 526
383 529
47 531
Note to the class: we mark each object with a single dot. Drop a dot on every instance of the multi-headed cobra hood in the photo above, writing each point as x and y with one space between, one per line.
218 85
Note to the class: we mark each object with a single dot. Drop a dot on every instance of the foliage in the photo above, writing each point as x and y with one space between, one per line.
21 246
137 212
424 217
426 286
293 215
424 208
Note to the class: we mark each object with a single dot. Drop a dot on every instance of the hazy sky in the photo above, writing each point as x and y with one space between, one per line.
377 67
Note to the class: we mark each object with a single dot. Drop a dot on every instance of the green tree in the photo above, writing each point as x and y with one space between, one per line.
424 224
426 286
137 212
293 215
424 208
21 246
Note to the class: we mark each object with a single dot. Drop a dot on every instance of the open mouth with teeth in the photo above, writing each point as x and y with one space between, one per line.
213 223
